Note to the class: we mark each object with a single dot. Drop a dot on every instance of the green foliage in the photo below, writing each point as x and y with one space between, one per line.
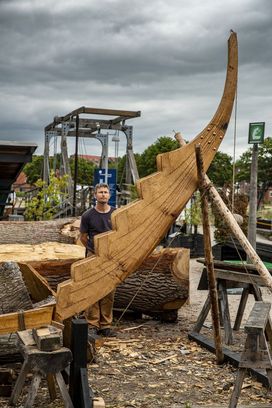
220 170
85 171
222 233
33 170
44 205
264 163
193 215
147 160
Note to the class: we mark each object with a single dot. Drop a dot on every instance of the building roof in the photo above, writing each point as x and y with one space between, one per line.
13 157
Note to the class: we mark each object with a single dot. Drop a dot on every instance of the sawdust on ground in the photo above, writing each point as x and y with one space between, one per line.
152 364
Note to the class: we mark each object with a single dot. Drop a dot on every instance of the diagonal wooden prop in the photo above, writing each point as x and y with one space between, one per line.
228 217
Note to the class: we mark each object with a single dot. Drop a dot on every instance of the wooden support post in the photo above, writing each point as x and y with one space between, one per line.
203 314
79 341
224 304
209 259
241 308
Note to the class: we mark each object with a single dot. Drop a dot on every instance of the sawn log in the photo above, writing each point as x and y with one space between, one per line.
36 232
161 283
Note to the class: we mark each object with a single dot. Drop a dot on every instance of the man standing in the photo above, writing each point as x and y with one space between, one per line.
95 221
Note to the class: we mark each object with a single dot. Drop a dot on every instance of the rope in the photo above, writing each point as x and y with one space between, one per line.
142 283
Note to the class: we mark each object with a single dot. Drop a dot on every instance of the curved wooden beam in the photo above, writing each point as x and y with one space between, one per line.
140 226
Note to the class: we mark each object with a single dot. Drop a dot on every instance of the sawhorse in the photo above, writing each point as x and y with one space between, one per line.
226 279
257 351
41 363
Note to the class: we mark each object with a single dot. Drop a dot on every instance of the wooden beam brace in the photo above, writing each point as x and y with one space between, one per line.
228 217
209 257
93 111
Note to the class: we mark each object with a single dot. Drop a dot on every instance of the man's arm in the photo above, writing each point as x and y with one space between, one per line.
84 238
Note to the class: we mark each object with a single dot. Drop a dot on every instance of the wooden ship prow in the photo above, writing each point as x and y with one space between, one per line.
140 226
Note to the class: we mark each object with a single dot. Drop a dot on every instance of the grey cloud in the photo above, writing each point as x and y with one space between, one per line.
165 58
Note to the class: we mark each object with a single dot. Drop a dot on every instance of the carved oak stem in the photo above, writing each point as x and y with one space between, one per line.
209 258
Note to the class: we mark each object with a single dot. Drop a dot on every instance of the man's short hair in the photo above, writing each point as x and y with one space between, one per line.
101 185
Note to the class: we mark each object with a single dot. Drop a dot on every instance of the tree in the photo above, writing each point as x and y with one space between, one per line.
45 204
33 170
264 166
222 232
147 162
85 171
220 170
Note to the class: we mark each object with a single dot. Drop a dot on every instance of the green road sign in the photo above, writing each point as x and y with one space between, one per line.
256 132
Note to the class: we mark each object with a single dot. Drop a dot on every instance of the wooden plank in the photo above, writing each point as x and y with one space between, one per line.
239 277
37 286
258 318
227 265
26 337
162 196
33 318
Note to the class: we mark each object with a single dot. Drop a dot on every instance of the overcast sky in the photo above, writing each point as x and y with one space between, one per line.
164 58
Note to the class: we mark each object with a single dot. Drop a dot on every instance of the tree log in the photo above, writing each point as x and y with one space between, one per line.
9 352
13 292
36 232
159 286
41 252
14 296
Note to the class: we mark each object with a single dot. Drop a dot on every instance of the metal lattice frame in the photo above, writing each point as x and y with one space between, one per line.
65 126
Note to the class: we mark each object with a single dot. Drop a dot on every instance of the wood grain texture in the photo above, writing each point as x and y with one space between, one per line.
35 232
33 318
41 252
161 283
139 227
